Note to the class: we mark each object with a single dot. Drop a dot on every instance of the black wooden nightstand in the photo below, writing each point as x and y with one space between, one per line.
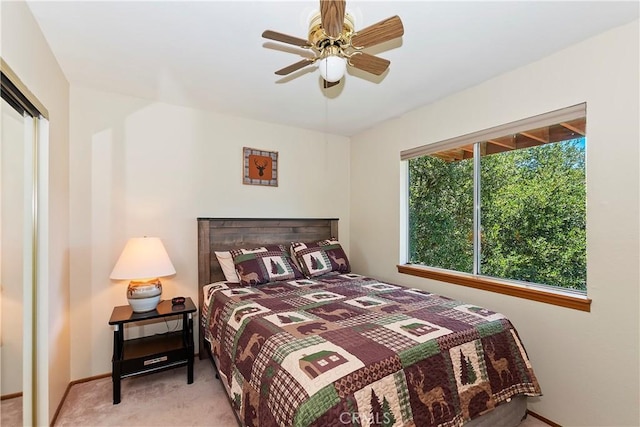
155 352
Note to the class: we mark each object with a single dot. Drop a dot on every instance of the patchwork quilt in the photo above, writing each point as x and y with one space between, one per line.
351 350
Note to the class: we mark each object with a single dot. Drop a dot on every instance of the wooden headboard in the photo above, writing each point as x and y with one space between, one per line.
222 234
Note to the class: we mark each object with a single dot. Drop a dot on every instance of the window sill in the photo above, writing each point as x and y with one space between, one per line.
494 285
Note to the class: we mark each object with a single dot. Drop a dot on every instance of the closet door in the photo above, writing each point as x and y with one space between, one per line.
19 131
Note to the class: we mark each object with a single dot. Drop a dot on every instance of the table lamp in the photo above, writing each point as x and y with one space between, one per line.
143 260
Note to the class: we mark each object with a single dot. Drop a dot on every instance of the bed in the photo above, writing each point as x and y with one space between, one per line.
342 348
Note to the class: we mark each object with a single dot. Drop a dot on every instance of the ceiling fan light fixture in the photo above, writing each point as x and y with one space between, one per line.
332 68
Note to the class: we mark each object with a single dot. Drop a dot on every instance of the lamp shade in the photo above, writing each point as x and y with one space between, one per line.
143 258
332 68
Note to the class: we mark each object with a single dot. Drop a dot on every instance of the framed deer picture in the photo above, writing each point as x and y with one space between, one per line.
260 167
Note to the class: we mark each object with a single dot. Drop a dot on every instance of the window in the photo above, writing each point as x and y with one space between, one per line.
506 206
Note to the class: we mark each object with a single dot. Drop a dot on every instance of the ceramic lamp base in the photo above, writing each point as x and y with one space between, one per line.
144 296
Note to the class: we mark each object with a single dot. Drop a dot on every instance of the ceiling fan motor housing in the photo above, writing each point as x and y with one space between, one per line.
326 45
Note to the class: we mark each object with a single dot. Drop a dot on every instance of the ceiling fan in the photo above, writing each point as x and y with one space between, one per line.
335 43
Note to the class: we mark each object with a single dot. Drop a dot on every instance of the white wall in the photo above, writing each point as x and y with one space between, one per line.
146 168
587 363
27 53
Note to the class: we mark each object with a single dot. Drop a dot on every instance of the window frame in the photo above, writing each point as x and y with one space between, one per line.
536 292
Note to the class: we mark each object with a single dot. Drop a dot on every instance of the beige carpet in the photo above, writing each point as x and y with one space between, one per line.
11 412
160 399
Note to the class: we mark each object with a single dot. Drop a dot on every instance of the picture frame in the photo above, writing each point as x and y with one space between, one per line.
260 167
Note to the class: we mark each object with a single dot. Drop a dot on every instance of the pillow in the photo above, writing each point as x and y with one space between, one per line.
228 268
318 258
292 254
264 264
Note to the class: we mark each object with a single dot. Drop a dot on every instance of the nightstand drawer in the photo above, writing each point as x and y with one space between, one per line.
154 352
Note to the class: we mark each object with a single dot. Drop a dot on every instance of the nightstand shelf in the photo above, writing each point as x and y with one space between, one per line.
152 353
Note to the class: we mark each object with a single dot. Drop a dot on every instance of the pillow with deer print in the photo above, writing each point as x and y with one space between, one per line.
318 258
264 264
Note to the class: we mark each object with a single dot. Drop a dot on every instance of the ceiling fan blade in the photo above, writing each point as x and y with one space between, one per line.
381 32
327 84
332 17
369 63
294 67
279 37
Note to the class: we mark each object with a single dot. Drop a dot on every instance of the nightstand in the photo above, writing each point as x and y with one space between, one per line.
152 353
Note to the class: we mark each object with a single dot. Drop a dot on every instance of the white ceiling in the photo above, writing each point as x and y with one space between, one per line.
210 54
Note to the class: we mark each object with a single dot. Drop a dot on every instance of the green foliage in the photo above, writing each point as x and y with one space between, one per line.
441 213
533 214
